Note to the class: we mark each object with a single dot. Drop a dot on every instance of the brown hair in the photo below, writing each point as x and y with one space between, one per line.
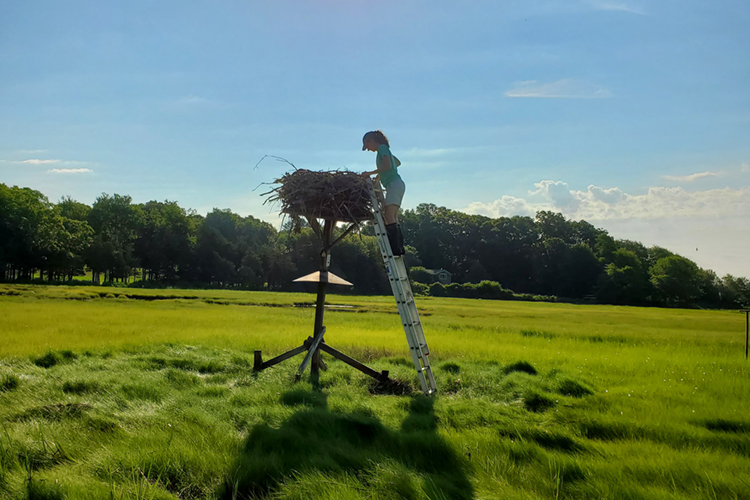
377 136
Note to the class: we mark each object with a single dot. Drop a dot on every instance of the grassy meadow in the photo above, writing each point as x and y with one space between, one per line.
120 393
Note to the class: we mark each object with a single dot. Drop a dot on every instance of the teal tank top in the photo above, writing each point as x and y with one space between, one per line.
389 175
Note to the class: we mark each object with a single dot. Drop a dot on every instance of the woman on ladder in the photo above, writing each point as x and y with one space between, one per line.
387 169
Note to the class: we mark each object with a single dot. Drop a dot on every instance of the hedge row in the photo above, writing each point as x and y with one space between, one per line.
482 290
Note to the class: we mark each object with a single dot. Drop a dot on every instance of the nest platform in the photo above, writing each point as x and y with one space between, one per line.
331 195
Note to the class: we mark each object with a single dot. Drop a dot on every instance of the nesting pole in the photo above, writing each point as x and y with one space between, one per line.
333 197
325 262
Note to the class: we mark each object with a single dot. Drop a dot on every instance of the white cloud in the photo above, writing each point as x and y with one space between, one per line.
38 162
556 192
507 206
691 177
745 168
598 204
70 170
561 89
661 202
610 195
616 6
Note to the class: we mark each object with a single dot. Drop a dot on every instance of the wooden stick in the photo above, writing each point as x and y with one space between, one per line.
278 359
348 230
311 352
381 376
747 331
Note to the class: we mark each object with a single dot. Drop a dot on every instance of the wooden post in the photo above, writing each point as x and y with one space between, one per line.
747 329
321 299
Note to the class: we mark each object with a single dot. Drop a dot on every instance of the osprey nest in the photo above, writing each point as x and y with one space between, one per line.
334 194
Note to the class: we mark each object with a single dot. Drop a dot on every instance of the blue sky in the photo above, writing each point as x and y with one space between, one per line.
632 115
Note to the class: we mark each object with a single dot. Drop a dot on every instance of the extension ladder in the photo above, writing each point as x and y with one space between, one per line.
407 309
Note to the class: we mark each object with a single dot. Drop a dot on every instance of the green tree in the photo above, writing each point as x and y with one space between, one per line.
115 221
605 247
507 250
357 259
677 280
567 270
165 240
554 225
73 210
585 233
735 291
74 236
579 271
234 251
625 280
655 253
30 232
640 251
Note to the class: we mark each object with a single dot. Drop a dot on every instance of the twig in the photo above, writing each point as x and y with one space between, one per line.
278 158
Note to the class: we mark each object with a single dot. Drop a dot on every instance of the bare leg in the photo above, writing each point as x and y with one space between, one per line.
391 214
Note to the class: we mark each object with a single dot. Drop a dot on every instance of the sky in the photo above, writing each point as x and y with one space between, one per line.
632 115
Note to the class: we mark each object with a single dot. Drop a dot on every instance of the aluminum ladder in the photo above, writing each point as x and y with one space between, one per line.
407 309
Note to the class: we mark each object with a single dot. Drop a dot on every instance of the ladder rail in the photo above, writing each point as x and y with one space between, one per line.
397 276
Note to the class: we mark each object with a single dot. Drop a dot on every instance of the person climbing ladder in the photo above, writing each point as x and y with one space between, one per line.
387 169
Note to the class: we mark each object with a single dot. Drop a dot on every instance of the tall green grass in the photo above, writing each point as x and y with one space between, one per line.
112 397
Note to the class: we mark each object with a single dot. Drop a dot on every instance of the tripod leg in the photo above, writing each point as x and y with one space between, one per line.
281 357
381 376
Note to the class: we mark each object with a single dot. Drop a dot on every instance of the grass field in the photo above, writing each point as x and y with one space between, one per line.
120 393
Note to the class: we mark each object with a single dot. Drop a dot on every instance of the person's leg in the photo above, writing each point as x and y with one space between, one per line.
394 193
393 238
391 214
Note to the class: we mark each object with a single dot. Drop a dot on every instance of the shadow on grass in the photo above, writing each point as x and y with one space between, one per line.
317 440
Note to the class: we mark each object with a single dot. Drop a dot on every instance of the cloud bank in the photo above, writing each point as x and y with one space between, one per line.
596 203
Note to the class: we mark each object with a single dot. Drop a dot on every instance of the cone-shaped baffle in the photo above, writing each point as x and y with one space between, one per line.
324 277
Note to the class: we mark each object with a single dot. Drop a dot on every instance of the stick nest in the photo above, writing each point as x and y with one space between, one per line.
334 194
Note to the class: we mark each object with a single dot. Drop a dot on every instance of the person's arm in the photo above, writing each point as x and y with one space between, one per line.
385 164
397 161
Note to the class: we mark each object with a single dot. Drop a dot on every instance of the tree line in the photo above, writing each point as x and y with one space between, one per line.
163 244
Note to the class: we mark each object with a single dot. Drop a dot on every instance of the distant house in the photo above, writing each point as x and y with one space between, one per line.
443 276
